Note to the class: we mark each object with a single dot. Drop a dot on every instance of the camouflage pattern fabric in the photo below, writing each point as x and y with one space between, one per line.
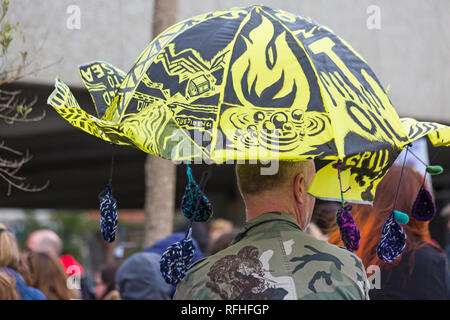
272 258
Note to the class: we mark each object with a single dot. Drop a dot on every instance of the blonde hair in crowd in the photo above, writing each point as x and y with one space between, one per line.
220 224
7 289
9 249
48 275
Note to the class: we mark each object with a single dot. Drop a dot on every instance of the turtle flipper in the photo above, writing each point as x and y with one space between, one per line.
102 81
439 134
63 101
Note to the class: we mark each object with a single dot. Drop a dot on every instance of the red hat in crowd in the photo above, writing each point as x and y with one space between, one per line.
71 265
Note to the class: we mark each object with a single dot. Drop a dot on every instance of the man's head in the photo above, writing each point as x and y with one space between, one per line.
284 191
445 213
139 278
44 240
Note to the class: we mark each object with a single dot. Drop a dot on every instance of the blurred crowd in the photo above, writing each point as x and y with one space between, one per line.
39 271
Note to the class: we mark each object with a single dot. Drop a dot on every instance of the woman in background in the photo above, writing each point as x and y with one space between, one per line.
13 269
105 282
7 288
47 274
324 217
223 241
421 272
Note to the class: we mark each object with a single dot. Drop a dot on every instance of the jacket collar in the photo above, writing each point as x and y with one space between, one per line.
264 218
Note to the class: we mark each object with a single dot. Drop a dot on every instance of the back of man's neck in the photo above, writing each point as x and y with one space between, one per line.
257 207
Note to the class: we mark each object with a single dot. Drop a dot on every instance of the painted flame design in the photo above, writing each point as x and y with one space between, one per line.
268 74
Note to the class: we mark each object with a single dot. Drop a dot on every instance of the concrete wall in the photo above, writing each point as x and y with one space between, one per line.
410 52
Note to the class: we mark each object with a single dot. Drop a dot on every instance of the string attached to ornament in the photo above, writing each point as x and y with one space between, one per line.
350 234
393 237
195 207
108 208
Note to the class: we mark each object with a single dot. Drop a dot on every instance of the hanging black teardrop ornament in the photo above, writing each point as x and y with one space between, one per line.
108 215
393 237
177 258
350 234
423 208
195 205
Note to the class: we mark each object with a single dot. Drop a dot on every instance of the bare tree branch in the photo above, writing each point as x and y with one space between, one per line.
14 107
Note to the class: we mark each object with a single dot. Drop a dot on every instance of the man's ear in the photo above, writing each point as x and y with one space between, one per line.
299 188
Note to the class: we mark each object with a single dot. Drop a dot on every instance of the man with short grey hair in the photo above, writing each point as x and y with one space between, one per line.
271 257
45 240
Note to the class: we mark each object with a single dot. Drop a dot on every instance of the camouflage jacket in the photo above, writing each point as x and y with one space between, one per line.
272 258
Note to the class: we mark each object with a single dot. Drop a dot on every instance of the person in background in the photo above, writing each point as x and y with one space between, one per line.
139 278
217 227
223 241
45 240
48 275
199 234
315 232
13 268
445 213
7 288
160 246
105 282
324 217
323 221
272 258
421 272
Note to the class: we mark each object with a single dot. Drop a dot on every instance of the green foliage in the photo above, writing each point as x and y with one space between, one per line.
30 224
8 32
24 109
72 227
13 107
